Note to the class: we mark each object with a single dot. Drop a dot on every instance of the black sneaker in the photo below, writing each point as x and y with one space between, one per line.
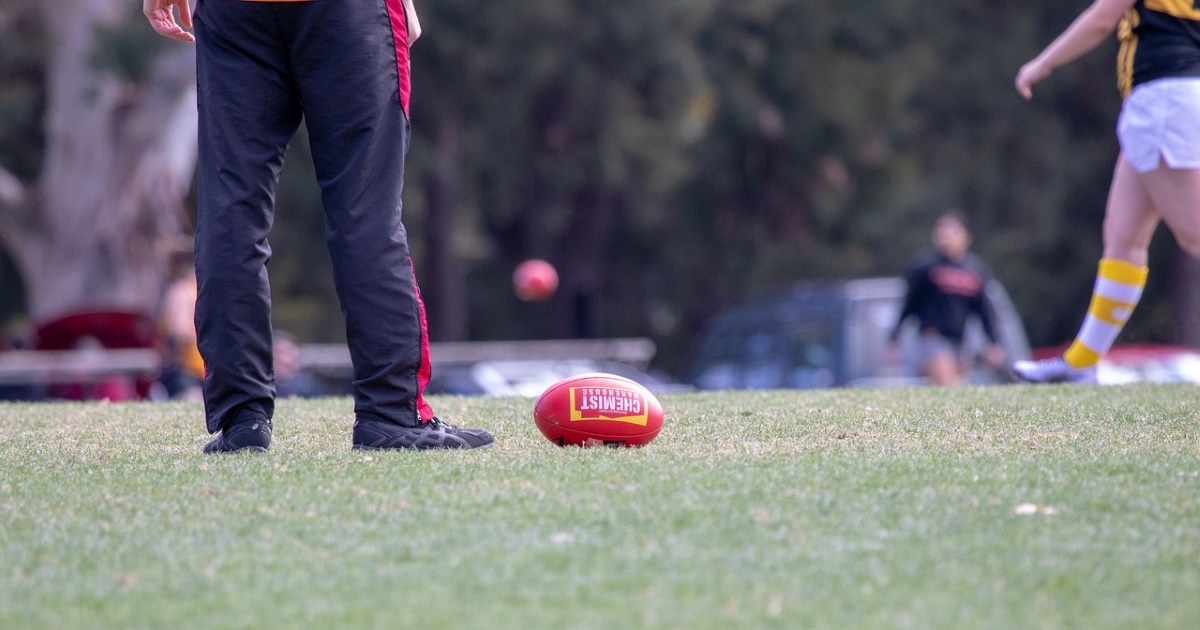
374 435
249 430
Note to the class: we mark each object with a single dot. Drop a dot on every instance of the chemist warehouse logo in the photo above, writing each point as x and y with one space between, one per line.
597 403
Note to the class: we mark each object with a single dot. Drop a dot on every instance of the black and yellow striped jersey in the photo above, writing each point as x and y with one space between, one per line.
1159 38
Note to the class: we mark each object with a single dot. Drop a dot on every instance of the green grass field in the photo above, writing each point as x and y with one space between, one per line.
1003 507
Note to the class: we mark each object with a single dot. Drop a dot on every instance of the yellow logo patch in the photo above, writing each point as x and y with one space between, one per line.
608 403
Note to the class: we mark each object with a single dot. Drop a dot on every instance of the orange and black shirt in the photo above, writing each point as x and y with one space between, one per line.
942 294
1159 39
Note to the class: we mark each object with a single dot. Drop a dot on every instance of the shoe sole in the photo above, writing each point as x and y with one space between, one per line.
1065 381
252 449
364 447
1068 381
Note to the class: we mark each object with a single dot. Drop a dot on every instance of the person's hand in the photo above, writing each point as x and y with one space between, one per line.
414 24
1028 75
993 355
161 14
893 354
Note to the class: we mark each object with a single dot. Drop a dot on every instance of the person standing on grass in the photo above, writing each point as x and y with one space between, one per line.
946 285
343 67
1157 175
183 368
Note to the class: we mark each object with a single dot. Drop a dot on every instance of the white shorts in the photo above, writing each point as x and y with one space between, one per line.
1161 119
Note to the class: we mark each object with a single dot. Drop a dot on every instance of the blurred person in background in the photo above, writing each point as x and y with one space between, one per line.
291 378
1157 175
17 336
946 285
343 68
183 368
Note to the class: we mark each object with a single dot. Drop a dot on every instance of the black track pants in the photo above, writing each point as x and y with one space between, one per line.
342 67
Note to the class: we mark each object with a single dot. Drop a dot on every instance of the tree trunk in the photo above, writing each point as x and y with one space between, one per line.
92 232
441 279
581 256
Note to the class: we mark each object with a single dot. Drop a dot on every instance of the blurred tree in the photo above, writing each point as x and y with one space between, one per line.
561 136
842 129
669 158
89 224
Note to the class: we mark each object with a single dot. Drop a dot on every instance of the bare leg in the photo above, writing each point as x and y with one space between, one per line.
942 368
1130 217
1176 197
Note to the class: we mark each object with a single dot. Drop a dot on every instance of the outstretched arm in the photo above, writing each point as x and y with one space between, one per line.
161 14
911 298
1096 23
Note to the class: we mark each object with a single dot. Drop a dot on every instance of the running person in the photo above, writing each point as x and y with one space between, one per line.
1157 175
945 287
343 68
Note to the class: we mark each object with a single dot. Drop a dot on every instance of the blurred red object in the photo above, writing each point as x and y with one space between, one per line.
535 280
111 329
1140 362
99 329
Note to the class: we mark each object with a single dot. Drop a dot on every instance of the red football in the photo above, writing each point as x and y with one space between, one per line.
535 280
598 410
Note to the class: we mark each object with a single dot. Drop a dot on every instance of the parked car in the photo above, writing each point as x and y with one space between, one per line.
1141 363
833 334
531 377
507 368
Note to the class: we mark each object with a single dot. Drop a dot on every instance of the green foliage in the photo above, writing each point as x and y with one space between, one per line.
933 508
128 49
731 149
23 49
676 156
22 99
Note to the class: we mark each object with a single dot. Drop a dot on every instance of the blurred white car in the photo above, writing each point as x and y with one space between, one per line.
1149 363
531 377
835 334
1141 363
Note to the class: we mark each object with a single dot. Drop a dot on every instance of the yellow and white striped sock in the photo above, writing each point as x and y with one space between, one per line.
1118 288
